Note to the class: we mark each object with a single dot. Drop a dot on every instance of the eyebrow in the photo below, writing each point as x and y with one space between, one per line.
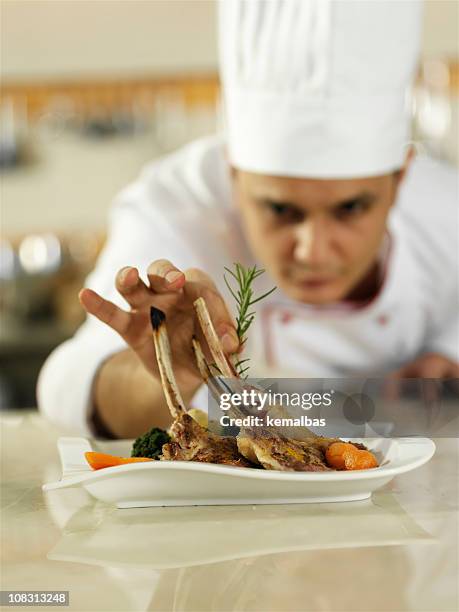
365 197
276 201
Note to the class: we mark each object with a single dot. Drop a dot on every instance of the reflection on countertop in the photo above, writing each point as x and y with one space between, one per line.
230 532
397 551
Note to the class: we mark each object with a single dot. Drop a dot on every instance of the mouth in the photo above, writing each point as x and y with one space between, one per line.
314 282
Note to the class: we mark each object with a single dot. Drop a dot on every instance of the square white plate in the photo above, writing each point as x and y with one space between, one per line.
188 483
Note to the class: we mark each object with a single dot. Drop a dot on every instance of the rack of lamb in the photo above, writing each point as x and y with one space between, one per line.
258 447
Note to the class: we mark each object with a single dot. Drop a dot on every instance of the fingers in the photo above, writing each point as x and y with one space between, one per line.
198 284
105 311
135 291
430 365
167 287
132 288
164 277
450 369
403 372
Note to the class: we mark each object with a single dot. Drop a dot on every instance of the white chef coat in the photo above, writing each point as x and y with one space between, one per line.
180 208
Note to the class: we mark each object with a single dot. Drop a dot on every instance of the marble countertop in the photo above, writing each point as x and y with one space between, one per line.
396 551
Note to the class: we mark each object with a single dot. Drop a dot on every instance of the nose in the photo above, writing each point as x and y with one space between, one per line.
311 245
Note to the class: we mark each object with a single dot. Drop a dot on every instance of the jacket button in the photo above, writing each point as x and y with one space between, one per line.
285 318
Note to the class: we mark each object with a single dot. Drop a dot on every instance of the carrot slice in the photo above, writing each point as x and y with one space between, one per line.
363 460
345 456
102 460
336 453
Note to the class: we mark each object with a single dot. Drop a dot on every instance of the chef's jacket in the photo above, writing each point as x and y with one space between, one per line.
180 208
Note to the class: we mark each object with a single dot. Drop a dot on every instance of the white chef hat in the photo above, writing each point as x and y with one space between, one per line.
318 88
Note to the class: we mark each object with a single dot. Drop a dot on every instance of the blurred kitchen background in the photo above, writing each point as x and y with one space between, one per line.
90 92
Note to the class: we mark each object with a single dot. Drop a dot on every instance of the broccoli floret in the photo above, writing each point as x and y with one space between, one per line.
150 444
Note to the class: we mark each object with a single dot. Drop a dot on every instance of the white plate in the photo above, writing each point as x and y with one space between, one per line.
183 483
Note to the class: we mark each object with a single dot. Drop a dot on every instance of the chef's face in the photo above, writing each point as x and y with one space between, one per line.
319 239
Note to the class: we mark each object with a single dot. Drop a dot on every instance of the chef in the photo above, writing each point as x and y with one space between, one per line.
315 181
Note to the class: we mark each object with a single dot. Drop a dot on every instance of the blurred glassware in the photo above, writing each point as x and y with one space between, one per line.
433 110
8 142
143 105
9 269
28 277
83 248
99 124
40 253
15 147
60 116
8 264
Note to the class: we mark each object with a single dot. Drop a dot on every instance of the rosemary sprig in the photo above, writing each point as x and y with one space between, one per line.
242 292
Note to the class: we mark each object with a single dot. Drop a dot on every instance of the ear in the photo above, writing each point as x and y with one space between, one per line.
400 174
410 155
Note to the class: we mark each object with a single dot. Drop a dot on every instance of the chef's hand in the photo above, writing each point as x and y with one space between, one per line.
429 365
173 292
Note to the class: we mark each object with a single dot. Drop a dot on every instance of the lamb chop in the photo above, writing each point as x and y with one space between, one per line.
252 447
190 441
259 445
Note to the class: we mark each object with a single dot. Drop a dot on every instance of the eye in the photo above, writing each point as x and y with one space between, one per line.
284 212
351 209
278 209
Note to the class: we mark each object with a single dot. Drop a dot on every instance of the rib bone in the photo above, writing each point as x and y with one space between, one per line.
221 361
174 398
212 339
190 441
